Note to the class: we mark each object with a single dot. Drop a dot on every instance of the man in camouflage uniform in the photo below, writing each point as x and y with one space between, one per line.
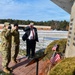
15 42
6 47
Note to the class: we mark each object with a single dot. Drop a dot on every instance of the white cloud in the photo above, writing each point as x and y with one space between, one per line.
31 9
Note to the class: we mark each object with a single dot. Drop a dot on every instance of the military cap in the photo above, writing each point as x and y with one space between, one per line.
6 24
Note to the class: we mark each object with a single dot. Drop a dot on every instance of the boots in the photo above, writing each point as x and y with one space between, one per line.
14 61
10 69
6 70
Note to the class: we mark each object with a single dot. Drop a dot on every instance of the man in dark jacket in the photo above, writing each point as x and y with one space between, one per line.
32 38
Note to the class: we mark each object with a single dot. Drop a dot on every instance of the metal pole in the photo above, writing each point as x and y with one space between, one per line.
37 63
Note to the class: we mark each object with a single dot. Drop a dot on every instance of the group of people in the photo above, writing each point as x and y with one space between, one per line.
10 41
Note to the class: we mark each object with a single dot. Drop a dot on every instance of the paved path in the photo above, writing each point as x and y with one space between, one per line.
21 69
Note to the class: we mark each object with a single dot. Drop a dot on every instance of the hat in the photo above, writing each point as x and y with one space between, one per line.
6 24
15 24
31 23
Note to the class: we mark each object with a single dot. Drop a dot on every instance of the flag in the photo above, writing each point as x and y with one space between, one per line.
54 47
57 57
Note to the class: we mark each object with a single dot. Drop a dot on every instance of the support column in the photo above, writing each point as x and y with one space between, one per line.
70 46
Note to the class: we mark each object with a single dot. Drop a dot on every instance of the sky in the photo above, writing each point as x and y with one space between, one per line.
36 10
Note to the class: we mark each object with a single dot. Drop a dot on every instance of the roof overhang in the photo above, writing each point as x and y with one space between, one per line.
64 4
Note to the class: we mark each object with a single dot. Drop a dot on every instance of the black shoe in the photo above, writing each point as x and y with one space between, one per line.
28 57
32 56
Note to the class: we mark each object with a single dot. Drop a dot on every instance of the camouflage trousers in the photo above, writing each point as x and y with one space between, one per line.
14 51
6 56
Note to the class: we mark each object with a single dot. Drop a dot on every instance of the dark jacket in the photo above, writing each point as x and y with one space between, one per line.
27 33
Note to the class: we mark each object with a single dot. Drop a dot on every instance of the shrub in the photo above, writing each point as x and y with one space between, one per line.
62 46
65 67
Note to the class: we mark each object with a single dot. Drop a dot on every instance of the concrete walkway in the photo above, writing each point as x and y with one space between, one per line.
21 69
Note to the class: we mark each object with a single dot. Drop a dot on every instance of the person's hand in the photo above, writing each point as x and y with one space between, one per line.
9 27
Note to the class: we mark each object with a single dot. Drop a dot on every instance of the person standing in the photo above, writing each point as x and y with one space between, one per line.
15 42
6 47
32 38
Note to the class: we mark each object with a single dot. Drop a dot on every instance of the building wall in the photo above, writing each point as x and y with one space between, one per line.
70 49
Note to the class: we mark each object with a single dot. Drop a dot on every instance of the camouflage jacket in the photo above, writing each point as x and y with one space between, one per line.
15 37
5 38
